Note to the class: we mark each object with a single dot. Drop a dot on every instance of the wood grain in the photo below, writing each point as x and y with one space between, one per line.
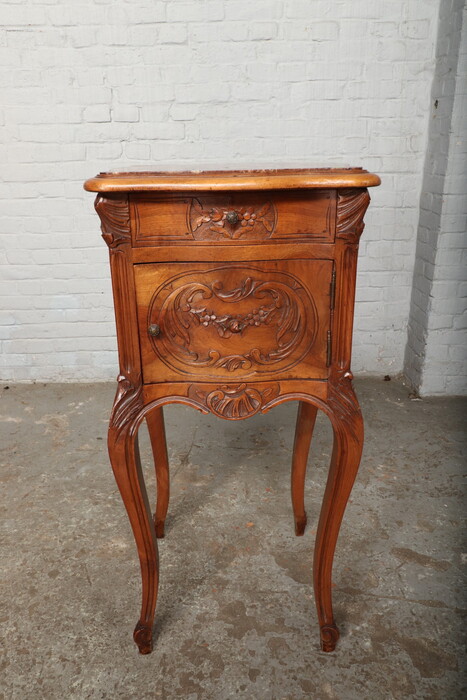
207 252
234 321
224 180
122 437
164 393
306 418
233 218
156 428
234 292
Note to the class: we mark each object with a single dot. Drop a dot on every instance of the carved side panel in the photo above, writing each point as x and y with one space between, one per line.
351 207
234 402
213 219
345 299
114 214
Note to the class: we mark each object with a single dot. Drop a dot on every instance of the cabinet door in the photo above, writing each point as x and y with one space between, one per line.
233 321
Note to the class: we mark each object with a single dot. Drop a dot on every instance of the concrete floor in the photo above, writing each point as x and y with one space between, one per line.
236 616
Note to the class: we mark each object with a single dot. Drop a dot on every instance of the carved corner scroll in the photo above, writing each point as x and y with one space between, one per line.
211 221
343 401
234 402
127 405
114 213
351 207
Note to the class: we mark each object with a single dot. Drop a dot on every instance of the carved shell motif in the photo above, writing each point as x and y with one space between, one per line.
235 402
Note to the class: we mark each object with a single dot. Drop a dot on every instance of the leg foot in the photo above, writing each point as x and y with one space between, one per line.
329 637
159 526
306 417
143 638
300 525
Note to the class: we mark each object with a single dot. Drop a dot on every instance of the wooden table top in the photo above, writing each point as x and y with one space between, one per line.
220 180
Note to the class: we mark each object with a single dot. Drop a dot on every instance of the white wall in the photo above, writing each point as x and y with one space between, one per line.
436 355
102 84
446 351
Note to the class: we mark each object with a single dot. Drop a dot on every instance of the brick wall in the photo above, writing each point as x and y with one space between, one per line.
436 354
97 84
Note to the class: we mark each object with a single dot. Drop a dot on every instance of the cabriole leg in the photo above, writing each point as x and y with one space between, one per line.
126 465
306 418
156 427
347 423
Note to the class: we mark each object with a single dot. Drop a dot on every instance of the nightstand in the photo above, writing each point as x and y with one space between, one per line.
234 292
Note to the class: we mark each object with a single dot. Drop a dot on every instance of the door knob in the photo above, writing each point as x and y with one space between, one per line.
154 330
232 217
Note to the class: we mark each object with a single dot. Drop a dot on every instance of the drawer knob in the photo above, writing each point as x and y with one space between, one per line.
154 330
232 217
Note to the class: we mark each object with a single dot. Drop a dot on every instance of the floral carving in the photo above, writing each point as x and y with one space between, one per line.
184 309
114 214
235 402
226 324
351 207
231 222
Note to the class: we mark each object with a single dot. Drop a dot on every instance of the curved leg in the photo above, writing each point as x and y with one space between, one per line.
156 427
126 465
306 418
346 418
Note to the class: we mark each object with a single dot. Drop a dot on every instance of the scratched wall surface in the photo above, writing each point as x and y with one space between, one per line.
100 84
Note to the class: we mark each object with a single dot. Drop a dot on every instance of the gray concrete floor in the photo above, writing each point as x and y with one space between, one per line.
236 616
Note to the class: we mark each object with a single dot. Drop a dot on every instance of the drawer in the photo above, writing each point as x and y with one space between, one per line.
211 321
243 217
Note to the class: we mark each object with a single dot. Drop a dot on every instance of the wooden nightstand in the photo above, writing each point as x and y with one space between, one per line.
234 291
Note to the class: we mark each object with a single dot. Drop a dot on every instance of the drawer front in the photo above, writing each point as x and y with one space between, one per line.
225 321
241 217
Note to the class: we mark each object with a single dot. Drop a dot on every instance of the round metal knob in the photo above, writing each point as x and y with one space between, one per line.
154 330
232 217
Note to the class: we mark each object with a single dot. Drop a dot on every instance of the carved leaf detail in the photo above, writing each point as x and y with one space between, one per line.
268 225
234 362
197 206
264 209
342 399
351 207
127 404
114 213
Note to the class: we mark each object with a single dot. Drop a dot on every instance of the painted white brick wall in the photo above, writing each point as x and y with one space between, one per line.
436 354
95 84
445 370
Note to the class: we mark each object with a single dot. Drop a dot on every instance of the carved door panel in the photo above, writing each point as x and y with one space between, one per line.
233 321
